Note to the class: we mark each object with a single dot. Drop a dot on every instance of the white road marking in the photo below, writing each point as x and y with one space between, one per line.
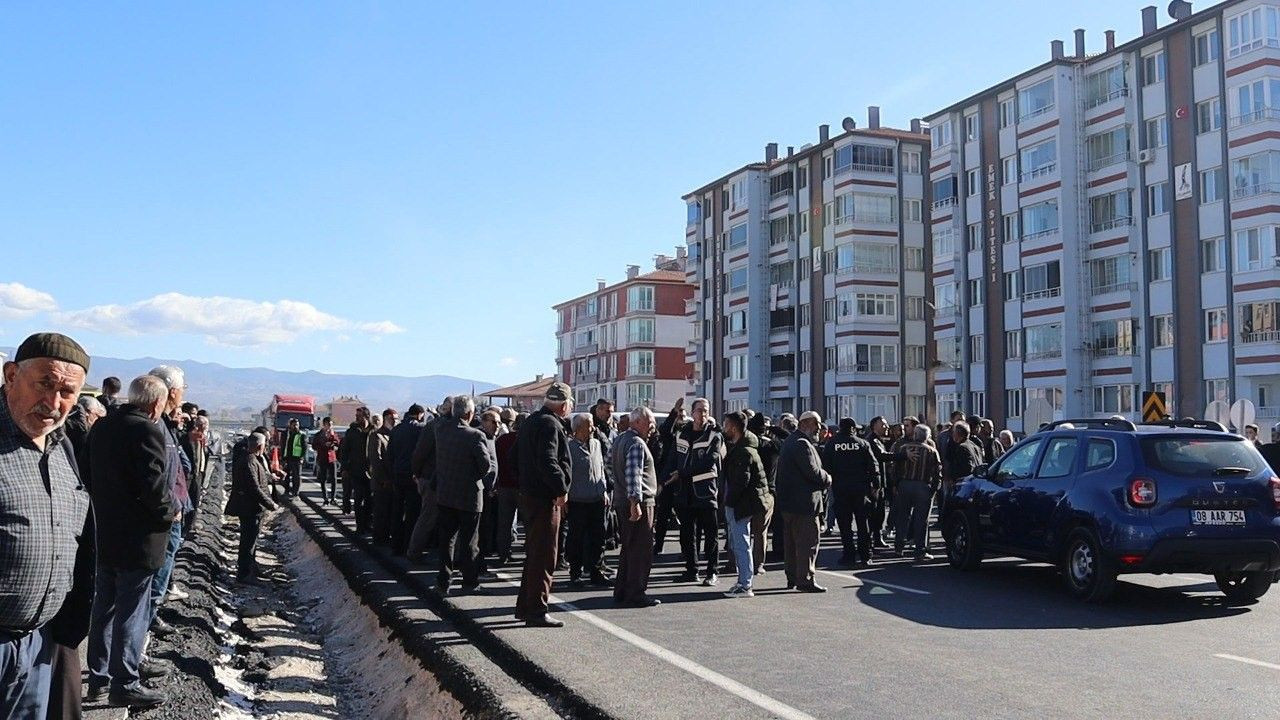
869 581
1249 661
755 697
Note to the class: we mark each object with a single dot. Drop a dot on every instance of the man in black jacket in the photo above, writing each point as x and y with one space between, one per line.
769 448
135 510
406 496
801 485
664 438
855 478
250 496
546 471
463 465
353 454
959 459
695 470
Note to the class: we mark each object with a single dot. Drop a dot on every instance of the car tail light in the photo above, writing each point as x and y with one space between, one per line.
1275 492
1142 492
1131 559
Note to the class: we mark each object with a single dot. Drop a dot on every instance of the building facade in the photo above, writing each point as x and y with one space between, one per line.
810 270
1109 223
627 341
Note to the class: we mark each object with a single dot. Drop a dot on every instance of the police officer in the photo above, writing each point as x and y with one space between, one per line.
855 482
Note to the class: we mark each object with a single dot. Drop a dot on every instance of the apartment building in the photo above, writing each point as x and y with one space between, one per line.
1108 223
810 268
627 341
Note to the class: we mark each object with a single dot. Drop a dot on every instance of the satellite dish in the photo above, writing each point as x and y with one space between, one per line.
848 124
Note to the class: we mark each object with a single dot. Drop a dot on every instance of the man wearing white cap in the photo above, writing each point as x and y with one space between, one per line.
801 485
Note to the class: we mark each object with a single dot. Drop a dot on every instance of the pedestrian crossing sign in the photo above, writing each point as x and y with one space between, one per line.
1153 406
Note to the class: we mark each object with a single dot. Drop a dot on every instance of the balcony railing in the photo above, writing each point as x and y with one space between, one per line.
1044 355
1036 113
1091 103
1248 191
1256 116
1042 294
878 219
1105 225
864 167
1114 287
868 268
737 333
1108 161
1112 351
944 202
1038 172
1262 336
1039 233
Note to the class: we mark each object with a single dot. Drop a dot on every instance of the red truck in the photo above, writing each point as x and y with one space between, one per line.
284 408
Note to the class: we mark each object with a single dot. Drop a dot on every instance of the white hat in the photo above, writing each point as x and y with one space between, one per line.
810 415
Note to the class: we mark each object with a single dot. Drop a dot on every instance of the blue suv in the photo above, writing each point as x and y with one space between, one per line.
1098 498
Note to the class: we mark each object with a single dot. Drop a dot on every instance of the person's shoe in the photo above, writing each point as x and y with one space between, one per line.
96 689
815 588
139 697
475 589
644 602
759 570
152 670
711 580
738 591
562 566
878 543
160 627
442 589
178 593
828 532
921 557
600 581
686 577
544 621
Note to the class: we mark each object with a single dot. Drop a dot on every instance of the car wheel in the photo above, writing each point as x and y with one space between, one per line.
1090 575
1243 587
963 549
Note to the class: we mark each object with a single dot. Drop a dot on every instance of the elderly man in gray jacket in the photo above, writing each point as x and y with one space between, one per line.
588 502
801 485
462 464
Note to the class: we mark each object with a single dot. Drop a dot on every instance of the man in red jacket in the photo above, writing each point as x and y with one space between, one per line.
325 443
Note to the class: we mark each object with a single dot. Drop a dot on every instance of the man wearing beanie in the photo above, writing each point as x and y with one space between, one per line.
46 560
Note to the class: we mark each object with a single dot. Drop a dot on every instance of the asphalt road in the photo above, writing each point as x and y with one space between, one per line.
904 641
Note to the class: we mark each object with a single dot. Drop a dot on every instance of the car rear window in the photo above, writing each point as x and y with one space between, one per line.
1200 455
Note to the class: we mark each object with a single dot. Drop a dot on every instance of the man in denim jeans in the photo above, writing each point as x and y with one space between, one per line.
746 496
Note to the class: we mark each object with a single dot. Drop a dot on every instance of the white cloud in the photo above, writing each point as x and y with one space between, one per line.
220 320
508 362
18 301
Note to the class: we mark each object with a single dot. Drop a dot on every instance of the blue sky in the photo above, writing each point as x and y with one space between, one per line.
407 188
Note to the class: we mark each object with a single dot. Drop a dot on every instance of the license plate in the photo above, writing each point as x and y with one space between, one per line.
1217 517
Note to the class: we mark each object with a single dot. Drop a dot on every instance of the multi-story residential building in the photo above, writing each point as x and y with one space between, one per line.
627 341
1108 223
810 268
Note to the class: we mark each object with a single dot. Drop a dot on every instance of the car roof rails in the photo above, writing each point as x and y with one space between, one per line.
1091 424
1189 423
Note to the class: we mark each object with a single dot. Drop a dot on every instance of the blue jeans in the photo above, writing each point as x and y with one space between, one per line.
738 530
160 585
25 674
118 625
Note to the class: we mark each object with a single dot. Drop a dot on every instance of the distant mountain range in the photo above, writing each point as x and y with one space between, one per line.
238 392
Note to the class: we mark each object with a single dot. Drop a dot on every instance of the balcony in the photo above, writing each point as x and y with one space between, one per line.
1039 172
1111 224
1042 294
1256 116
868 218
868 268
1036 113
586 377
944 202
1118 351
1091 103
1044 355
1240 192
584 350
1108 161
1115 287
946 311
1039 234
1262 336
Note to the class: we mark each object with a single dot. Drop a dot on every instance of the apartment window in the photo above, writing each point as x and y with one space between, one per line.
1042 280
1103 85
1213 255
972 182
639 363
1009 170
829 310
640 330
1215 325
737 367
1038 160
1008 114
978 403
804 361
1162 331
1257 248
738 235
874 305
1113 337
977 348
971 127
1153 69
876 358
1157 132
1110 274
780 230
640 297
944 191
944 297
1215 389
946 403
831 359
1211 185
1157 199
913 356
976 292
781 184
948 351
866 257
940 134
802 226
693 213
1252 29
1110 211
1208 46
639 394
1113 399
695 253
865 158
1009 224
914 307
806 315
1259 322
973 237
1039 219
782 274
911 210
738 193
1013 402
802 178
944 243
1051 394
1043 341
1012 344
1035 100
784 364
1159 264
911 161
1255 101
864 208
737 280
1252 175
1107 148
737 323
1208 116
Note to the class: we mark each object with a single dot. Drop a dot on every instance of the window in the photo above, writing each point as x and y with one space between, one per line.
865 158
972 182
1113 399
1039 219
737 323
973 237
944 243
1259 322
1039 160
1100 454
971 127
1010 227
1017 463
1159 264
866 257
1110 211
640 297
1009 170
738 192
803 225
911 209
1257 248
1213 255
737 367
977 350
1013 402
914 258
864 208
804 361
944 191
1113 337
781 184
915 307
975 292
1250 101
1157 199
640 330
1043 341
1153 69
948 351
913 356
1035 100
1215 325
872 305
1157 132
779 230
1208 46
1012 344
829 310
876 358
1050 394
1007 113
1211 185
1107 148
946 403
1059 457
1110 274
941 134
944 297
782 274
1042 281
1253 175
911 161
639 394
1215 389
693 213
640 363
1208 116
978 403
806 315
1103 85
782 364
913 405
802 178
1252 29
1162 331
737 280
782 318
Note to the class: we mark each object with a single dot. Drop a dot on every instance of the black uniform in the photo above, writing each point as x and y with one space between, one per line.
855 480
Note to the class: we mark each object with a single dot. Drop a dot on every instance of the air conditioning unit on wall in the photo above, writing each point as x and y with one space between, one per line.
1146 156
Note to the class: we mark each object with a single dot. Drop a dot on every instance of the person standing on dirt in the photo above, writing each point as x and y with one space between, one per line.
325 443
250 495
380 482
545 472
294 452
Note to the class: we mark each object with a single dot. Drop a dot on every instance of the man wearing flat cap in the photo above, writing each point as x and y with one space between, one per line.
546 470
802 483
46 555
